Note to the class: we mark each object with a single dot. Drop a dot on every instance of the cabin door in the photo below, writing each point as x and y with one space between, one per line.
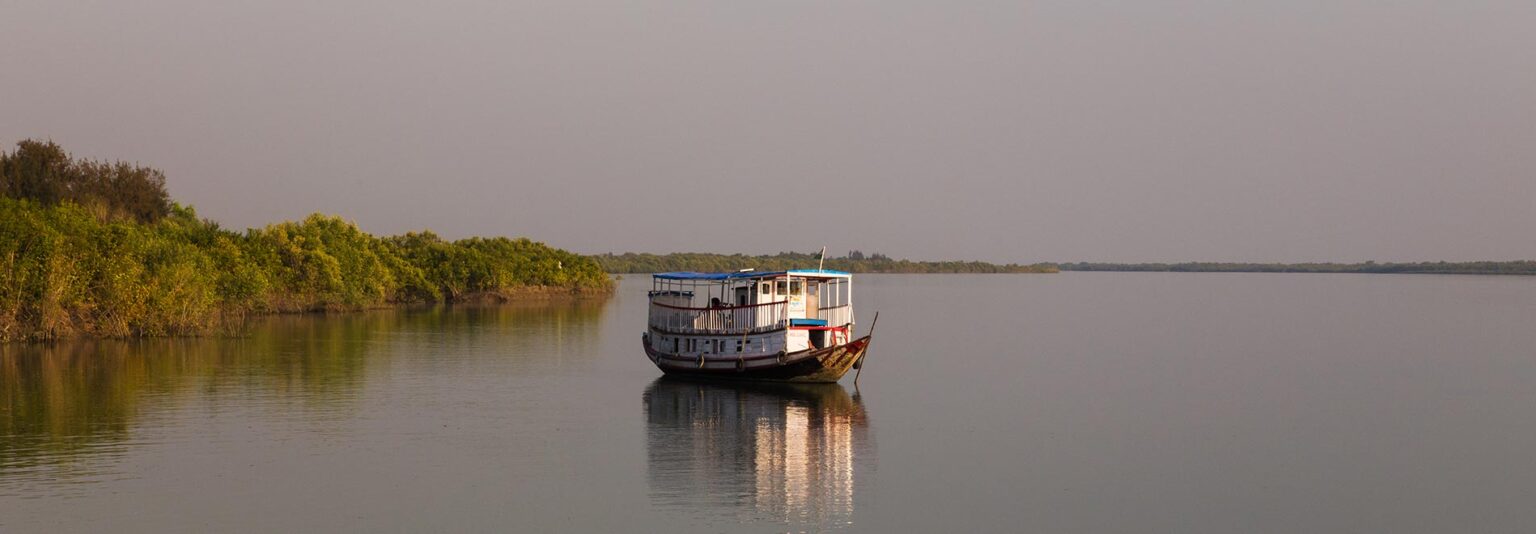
792 292
796 297
812 307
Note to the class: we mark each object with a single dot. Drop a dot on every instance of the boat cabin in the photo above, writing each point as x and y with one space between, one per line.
750 312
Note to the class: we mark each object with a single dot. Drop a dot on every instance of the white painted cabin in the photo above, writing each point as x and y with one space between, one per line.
728 316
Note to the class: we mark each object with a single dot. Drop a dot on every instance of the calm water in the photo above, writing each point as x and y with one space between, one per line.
1078 402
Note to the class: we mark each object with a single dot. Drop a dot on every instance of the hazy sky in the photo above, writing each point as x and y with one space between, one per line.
1281 130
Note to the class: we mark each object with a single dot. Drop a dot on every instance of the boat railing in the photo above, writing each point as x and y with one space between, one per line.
722 320
836 315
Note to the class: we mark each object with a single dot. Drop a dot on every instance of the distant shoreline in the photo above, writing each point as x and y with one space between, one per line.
643 263
1526 268
853 262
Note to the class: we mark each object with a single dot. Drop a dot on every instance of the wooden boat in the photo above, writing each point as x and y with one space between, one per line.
792 326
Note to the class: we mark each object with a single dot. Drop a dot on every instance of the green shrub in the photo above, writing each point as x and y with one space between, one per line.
90 248
41 171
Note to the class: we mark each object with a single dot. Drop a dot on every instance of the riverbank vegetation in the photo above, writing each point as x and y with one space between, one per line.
1440 267
854 262
99 249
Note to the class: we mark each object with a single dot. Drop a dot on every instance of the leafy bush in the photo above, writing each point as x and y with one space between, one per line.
43 172
87 249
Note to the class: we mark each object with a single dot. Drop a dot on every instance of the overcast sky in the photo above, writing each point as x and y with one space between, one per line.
1280 130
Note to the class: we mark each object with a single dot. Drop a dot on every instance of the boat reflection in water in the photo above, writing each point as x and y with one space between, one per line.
764 451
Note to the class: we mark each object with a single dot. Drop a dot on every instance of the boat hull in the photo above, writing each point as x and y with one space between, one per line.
826 365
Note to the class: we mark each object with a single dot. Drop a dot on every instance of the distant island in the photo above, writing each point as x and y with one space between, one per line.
853 262
1440 267
99 249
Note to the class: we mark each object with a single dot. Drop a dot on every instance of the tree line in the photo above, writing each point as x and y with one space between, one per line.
1439 267
90 249
854 262
43 172
859 262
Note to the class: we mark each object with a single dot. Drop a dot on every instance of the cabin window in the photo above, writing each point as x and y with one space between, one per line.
674 345
794 287
766 288
783 287
738 345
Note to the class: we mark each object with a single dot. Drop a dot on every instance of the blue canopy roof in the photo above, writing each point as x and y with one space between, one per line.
687 275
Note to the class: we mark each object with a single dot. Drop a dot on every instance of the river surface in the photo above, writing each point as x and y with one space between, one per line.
1073 402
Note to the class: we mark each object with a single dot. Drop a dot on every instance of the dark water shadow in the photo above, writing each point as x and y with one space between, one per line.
784 452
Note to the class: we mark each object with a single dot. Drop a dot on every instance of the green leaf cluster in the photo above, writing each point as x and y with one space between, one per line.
43 172
63 270
98 249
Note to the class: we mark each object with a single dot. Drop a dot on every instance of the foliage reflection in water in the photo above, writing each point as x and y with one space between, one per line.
70 410
787 452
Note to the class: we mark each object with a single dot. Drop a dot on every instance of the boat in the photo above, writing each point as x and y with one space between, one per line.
789 326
